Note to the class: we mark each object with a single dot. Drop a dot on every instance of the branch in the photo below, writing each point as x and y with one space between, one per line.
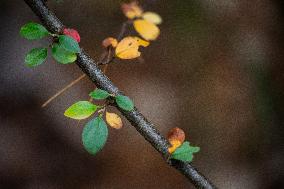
142 125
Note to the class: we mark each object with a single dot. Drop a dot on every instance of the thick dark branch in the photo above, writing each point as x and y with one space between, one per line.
142 125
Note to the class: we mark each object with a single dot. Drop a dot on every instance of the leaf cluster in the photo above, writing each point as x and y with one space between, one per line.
63 48
95 132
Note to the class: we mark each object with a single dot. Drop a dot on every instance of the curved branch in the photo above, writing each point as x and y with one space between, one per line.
142 125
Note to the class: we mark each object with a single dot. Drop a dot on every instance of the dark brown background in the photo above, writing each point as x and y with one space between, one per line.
216 71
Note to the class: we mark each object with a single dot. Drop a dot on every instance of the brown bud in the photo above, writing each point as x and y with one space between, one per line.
110 41
176 134
131 10
176 137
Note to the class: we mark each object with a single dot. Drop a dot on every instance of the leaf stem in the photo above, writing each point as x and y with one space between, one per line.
63 90
53 34
123 29
102 110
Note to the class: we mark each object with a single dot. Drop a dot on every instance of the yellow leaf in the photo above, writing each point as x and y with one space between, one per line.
128 47
174 145
131 10
142 42
146 29
152 17
110 41
113 120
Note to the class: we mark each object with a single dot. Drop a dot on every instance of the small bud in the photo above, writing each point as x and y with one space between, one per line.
176 137
131 10
72 33
176 134
110 41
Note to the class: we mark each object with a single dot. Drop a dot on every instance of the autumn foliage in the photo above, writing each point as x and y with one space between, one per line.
65 48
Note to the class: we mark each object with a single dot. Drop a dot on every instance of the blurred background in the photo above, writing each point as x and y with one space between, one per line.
216 71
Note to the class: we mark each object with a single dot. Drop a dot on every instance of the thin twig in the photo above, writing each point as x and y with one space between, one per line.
110 49
141 124
63 90
123 29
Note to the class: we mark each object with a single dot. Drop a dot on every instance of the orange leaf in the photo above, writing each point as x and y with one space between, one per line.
146 29
176 134
128 47
141 42
110 41
131 10
113 120
176 137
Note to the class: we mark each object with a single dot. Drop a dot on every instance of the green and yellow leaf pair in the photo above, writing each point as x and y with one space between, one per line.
95 132
84 109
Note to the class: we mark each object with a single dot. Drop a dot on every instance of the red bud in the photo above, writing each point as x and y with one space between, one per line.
72 33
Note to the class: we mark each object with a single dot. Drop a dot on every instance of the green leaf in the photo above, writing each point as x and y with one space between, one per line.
80 110
94 135
185 152
33 31
36 57
124 102
62 56
99 94
69 44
